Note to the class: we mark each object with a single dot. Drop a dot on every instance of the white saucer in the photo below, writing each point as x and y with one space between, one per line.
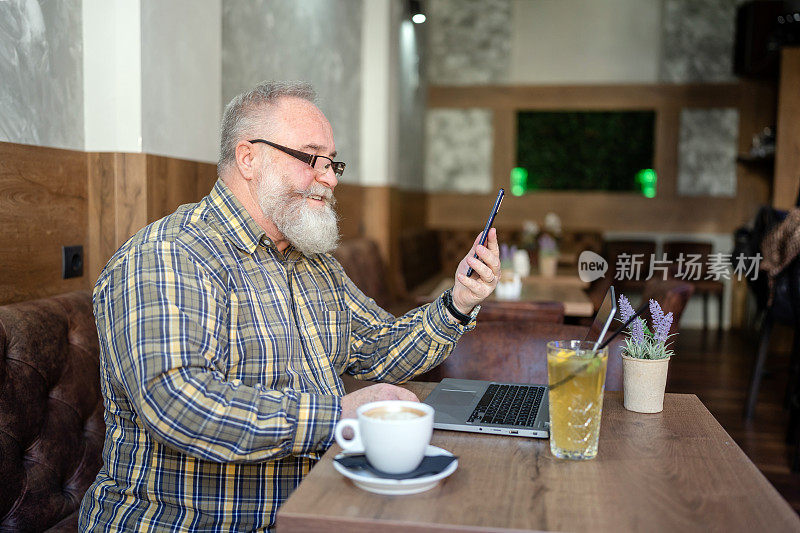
372 483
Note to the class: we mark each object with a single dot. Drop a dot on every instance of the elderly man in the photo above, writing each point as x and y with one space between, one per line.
225 327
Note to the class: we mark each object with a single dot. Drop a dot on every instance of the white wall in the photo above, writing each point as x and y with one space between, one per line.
181 76
112 102
585 41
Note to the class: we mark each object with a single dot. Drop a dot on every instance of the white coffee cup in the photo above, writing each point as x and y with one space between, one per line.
393 434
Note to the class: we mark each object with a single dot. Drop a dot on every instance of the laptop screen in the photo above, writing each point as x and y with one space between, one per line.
602 319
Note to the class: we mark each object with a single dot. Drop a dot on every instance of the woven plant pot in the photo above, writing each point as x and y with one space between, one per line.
643 384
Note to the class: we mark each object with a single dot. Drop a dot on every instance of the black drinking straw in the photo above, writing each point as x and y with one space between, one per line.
605 343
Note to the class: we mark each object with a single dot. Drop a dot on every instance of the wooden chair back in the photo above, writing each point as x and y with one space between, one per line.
535 312
515 352
671 294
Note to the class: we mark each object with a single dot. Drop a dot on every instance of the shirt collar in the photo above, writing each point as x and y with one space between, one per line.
234 220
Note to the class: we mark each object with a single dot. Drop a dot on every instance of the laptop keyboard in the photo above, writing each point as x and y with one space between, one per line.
510 405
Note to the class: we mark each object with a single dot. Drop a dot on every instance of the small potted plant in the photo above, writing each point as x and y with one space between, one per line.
645 358
527 241
548 255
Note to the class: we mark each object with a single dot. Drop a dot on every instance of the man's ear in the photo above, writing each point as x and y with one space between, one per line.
245 160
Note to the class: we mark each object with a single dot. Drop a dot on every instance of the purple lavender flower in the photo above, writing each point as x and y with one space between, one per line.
625 308
637 330
661 323
662 328
637 326
656 314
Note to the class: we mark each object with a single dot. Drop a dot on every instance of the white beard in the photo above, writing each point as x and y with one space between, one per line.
312 230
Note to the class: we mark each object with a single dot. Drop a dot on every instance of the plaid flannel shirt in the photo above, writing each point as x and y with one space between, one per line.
220 365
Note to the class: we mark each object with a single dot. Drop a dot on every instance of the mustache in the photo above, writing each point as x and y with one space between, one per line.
317 189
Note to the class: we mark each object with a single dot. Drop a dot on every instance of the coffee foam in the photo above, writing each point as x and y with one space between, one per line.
389 414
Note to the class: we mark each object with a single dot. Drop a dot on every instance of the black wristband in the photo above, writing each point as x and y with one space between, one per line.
458 315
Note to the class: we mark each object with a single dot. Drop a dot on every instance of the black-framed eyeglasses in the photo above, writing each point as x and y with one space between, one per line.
320 163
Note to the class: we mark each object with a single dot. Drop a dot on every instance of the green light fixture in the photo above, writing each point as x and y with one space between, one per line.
647 178
519 181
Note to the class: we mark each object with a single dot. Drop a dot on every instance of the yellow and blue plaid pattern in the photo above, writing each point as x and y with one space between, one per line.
220 365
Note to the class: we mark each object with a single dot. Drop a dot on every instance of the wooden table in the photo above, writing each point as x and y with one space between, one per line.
673 471
539 289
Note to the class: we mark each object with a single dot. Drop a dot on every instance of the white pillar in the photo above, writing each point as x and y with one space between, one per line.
378 94
112 75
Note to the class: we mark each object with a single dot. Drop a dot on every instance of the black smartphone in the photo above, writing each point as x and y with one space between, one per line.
489 223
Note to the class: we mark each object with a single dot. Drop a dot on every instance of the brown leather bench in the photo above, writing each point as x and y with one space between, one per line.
51 411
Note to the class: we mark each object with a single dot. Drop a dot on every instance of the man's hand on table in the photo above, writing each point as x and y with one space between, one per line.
374 393
469 292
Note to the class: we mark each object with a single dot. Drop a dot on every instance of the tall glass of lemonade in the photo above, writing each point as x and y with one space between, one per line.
576 376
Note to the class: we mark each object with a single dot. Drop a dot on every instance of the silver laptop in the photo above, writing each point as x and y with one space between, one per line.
520 409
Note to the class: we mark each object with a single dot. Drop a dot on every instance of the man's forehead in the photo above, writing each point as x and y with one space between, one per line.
302 124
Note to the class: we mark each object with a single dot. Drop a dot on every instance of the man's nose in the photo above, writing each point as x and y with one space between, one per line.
328 178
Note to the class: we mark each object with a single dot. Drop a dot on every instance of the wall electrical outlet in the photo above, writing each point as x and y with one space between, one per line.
71 261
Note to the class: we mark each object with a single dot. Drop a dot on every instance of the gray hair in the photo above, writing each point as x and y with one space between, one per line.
245 112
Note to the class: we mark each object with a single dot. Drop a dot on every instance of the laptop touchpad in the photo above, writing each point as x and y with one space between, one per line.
455 397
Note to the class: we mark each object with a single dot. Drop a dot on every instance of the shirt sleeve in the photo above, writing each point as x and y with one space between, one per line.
163 323
385 348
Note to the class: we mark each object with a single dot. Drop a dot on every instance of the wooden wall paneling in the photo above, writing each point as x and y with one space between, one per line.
753 187
665 152
43 206
350 208
376 217
51 198
118 203
754 184
206 179
584 97
589 210
757 110
131 195
504 147
408 209
787 149
738 303
101 226
172 182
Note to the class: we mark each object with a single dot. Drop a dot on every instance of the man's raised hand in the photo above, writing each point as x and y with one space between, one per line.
469 292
